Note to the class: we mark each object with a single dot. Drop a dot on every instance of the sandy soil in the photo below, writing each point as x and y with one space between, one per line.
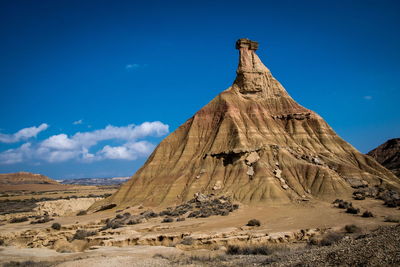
35 187
78 190
105 256
275 219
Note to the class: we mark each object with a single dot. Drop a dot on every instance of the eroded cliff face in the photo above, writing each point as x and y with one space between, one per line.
388 154
254 143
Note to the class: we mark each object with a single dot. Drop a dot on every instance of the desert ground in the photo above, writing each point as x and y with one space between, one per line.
287 231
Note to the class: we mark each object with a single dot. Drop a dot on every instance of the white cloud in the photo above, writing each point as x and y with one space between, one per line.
132 66
16 155
60 141
77 122
127 151
367 97
23 134
61 147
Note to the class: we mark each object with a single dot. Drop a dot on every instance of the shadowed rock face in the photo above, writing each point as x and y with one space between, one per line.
254 143
388 154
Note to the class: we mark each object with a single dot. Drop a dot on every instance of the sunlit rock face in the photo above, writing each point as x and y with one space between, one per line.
252 142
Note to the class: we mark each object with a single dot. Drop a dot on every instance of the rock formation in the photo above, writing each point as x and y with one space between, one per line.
254 143
388 154
25 178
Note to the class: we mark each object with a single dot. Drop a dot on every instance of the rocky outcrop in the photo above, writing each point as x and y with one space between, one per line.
254 143
25 178
388 154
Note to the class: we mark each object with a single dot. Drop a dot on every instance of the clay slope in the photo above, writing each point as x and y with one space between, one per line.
388 154
25 178
254 143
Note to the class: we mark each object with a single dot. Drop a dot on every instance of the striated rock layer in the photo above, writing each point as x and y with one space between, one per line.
254 143
388 154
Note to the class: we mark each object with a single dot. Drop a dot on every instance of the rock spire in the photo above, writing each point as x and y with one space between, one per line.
254 143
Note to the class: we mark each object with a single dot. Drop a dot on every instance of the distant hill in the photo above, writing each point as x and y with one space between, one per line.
19 178
96 181
388 154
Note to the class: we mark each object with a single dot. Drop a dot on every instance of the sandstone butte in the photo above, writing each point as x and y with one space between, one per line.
252 142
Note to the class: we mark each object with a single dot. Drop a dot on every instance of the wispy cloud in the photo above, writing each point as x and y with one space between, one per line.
367 97
61 147
77 122
132 66
23 134
135 66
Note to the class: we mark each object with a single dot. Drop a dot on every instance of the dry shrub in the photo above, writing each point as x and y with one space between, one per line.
82 234
167 220
182 259
56 226
44 219
392 218
249 250
253 222
352 210
367 214
188 240
330 238
19 219
352 228
28 264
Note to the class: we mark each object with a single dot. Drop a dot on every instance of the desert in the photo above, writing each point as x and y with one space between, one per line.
309 193
211 133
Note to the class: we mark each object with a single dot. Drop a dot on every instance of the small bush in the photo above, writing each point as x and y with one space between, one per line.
392 203
149 214
19 220
392 218
167 220
249 250
352 210
345 205
28 264
352 228
359 197
82 212
367 214
187 241
337 201
224 213
114 224
194 214
180 219
56 226
1 242
133 221
253 222
45 219
82 234
330 239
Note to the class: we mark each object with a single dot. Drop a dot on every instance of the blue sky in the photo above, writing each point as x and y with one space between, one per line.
88 88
